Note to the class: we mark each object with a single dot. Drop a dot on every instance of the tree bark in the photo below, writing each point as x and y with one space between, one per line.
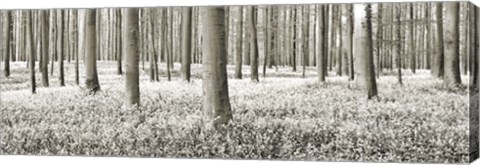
398 42
365 71
253 45
186 42
30 49
91 52
216 104
60 50
6 44
437 68
239 52
411 44
451 44
130 52
320 45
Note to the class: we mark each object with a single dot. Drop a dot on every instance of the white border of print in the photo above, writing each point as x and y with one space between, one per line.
62 160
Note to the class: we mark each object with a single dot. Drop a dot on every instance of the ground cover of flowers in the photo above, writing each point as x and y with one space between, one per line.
282 117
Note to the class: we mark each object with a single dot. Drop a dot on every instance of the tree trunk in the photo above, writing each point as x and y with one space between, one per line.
379 38
320 45
338 46
411 44
365 72
6 44
60 50
30 48
119 42
130 52
347 41
253 45
451 45
239 52
53 38
45 45
186 42
398 42
91 52
437 68
216 104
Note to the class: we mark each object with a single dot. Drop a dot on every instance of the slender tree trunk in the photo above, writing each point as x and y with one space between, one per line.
338 47
347 41
30 48
6 44
53 38
216 103
379 39
186 42
130 51
473 110
306 39
411 41
363 49
91 52
253 45
45 45
451 45
438 69
169 47
326 38
266 35
398 42
60 47
239 52
119 42
320 45
476 49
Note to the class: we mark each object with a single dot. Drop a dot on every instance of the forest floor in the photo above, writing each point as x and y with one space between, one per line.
284 116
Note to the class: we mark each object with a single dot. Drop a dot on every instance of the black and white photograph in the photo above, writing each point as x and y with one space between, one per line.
336 82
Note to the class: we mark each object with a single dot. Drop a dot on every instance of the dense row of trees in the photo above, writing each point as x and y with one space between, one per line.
360 41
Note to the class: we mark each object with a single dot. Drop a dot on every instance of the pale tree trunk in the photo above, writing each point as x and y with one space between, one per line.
362 48
338 46
298 36
186 42
30 49
253 45
74 46
311 37
451 45
169 40
320 45
6 44
266 36
130 52
216 103
306 45
91 52
347 41
81 33
246 37
379 38
238 52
